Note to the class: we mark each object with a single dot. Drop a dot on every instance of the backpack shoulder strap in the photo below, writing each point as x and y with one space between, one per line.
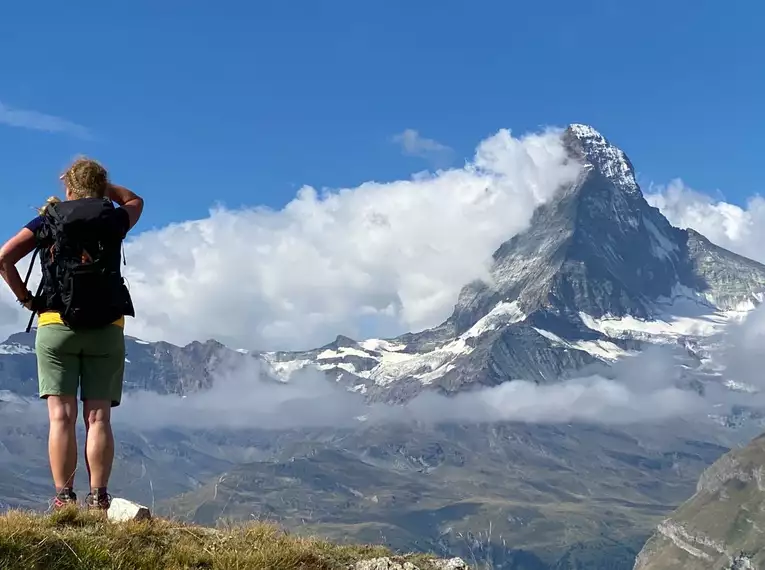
39 287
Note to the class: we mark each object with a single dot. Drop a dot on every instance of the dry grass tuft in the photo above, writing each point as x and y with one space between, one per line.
72 539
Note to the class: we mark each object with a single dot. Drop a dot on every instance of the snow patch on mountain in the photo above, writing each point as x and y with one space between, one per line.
502 314
283 370
341 352
601 349
425 367
347 366
15 348
665 329
684 313
376 344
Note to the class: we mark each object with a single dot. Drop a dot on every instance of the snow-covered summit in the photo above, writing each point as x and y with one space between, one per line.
610 160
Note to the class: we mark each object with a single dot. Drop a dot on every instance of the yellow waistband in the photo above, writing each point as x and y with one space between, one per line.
54 318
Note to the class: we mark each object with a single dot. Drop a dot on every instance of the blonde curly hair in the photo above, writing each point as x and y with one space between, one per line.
48 203
86 178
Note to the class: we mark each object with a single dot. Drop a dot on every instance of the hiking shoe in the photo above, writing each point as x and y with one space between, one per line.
98 502
64 499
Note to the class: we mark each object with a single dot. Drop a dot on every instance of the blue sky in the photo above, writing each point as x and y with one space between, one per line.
195 103
242 102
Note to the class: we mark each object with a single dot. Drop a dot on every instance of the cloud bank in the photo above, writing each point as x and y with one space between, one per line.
375 260
645 388
650 387
35 120
740 352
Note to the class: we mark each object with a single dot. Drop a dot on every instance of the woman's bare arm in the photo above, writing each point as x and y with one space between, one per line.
13 251
127 199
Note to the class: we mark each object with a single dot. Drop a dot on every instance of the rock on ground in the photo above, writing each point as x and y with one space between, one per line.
451 564
123 510
389 564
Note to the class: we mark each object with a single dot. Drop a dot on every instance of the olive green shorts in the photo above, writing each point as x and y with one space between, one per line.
94 360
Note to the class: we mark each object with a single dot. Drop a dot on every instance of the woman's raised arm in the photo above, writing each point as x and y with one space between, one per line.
13 251
127 199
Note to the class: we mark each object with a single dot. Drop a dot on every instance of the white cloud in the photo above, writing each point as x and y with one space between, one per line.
741 230
593 399
9 315
414 144
378 259
35 120
241 398
645 388
740 351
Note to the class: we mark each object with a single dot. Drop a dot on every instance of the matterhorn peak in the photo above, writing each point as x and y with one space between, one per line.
585 131
587 144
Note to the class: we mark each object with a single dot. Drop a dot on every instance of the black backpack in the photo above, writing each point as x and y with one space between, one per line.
79 242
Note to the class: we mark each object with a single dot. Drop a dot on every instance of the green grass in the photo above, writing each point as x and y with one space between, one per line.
77 540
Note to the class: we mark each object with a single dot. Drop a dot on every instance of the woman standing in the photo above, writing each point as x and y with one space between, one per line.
82 306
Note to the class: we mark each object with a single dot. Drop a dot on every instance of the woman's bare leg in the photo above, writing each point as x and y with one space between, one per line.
62 442
99 447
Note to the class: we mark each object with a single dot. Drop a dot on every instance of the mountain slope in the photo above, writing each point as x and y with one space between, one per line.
542 494
721 526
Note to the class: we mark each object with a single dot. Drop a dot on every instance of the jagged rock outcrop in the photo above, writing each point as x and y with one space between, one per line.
722 526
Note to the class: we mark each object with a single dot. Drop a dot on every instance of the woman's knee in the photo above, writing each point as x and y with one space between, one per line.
97 412
62 409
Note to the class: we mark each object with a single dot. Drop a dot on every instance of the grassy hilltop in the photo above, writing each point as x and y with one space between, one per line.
75 540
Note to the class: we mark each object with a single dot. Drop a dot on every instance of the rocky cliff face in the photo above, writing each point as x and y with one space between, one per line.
721 526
